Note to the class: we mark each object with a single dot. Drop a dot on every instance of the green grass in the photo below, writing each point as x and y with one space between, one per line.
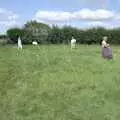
55 83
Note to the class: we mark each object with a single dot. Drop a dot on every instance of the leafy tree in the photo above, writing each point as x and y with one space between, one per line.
27 37
39 31
55 35
14 33
42 33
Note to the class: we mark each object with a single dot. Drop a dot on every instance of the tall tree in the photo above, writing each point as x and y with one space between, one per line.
14 33
38 30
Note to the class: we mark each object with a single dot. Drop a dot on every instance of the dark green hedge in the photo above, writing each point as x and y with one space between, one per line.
43 34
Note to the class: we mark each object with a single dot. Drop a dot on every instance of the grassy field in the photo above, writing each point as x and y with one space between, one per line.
55 83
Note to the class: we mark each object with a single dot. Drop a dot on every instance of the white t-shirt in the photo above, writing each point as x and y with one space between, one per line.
104 44
73 41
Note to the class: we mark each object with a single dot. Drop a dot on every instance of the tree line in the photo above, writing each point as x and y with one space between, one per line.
44 34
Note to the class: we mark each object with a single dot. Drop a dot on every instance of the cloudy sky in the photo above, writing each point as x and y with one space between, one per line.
78 13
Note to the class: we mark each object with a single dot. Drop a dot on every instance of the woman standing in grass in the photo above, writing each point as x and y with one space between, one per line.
73 43
106 50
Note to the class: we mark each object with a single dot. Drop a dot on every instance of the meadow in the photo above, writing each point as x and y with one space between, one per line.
51 82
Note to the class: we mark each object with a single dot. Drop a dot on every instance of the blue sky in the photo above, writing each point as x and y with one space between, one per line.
78 13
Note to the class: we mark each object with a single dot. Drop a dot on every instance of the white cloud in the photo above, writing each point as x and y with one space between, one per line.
7 19
6 15
87 14
53 16
83 14
108 25
95 23
89 18
8 23
13 17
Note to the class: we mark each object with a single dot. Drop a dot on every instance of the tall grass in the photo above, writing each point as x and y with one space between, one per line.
55 83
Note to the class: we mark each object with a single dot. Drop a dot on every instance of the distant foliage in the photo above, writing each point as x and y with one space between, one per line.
14 33
27 37
3 39
38 31
44 34
2 36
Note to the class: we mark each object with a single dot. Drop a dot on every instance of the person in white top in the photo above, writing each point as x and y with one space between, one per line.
106 50
73 43
19 43
104 42
34 43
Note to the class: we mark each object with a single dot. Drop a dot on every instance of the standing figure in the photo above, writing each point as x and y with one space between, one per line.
19 43
73 43
106 50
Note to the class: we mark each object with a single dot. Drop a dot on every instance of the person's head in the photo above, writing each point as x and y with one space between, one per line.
72 37
105 38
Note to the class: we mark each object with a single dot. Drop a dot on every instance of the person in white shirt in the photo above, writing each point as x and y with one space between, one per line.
34 43
19 43
73 43
104 42
106 50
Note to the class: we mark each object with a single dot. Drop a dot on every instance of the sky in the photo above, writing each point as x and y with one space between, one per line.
77 13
